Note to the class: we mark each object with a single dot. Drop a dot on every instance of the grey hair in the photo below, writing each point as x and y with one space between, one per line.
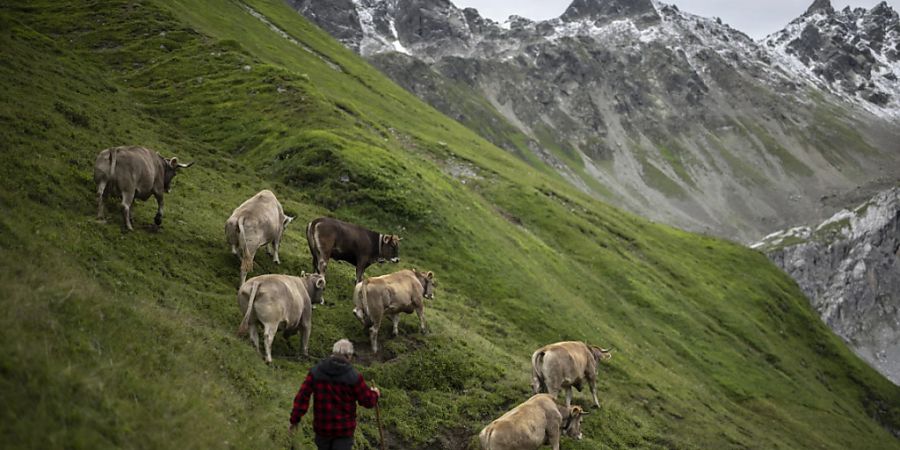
343 347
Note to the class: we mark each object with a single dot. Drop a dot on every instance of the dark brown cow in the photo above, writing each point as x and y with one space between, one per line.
331 238
137 172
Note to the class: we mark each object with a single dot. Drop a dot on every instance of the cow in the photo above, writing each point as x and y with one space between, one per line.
566 364
273 300
137 172
536 422
259 221
331 238
389 295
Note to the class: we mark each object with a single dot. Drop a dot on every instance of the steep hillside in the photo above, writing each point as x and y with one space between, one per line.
679 118
124 340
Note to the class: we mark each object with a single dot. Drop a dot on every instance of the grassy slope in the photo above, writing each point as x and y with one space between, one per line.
127 340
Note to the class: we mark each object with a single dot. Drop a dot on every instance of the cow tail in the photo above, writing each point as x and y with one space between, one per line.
360 297
245 323
112 162
310 239
246 258
537 376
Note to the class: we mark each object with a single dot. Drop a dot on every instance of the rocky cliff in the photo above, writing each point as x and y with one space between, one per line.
849 267
852 52
679 118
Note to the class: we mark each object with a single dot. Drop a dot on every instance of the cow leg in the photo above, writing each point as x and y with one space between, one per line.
550 390
421 313
535 385
275 246
553 434
101 190
373 336
593 385
269 334
254 335
360 272
396 319
159 210
127 201
568 396
247 264
304 338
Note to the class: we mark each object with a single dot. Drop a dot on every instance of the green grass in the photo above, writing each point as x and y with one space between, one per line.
113 339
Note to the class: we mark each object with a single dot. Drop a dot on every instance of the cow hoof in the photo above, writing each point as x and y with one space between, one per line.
157 220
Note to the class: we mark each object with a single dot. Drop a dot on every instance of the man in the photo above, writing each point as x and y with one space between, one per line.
337 387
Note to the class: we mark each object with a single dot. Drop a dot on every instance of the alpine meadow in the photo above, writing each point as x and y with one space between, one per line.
117 339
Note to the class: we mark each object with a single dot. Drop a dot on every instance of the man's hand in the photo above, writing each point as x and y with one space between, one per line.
376 391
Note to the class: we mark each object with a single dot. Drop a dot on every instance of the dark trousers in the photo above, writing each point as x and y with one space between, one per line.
341 443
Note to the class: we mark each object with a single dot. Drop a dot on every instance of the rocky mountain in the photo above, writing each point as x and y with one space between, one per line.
849 268
854 52
679 118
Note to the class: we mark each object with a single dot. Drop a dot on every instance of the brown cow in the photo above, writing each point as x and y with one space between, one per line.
566 364
258 222
331 238
536 422
276 299
137 172
390 295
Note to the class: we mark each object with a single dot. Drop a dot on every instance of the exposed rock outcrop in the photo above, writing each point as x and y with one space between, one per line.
849 267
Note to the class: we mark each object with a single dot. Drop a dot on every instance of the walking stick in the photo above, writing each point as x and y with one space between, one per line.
380 428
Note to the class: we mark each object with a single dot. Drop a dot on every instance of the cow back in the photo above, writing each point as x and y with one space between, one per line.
567 361
523 427
137 169
279 298
398 290
263 218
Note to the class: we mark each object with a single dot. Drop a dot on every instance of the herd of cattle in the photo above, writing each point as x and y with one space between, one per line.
285 301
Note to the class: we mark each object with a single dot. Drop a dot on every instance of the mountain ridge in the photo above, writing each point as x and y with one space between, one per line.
674 118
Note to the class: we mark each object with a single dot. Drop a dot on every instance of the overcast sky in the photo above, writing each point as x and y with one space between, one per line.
757 18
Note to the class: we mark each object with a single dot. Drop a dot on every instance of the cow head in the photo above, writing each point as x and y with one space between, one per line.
172 166
601 354
389 248
316 287
572 421
428 283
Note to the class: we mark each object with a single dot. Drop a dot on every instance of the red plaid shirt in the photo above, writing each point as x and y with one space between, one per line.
334 408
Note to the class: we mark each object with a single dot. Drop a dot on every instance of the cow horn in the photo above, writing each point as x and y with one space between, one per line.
430 274
185 166
320 283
